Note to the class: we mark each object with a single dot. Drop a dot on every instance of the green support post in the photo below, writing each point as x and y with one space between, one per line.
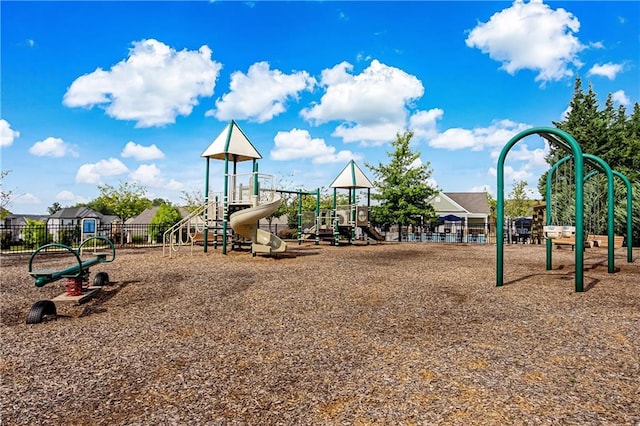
602 165
215 229
300 218
629 215
563 140
317 241
225 204
336 231
205 233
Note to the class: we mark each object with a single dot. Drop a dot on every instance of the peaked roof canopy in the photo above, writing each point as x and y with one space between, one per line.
234 142
351 177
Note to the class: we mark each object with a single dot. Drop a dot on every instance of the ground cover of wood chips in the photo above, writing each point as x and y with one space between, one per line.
359 335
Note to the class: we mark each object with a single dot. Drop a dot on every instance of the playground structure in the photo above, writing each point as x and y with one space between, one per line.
341 221
233 217
576 232
77 276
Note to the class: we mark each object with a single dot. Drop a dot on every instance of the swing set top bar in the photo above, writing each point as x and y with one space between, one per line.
285 191
555 140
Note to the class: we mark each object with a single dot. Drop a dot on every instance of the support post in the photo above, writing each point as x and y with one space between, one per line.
205 233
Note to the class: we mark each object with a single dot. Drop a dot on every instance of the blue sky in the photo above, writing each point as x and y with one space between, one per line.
106 92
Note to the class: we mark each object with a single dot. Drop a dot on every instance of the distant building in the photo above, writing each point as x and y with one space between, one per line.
12 226
464 212
69 218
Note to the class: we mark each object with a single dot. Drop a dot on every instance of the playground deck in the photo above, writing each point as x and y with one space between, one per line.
396 333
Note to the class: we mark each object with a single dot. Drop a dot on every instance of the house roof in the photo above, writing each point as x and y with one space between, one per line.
473 202
76 213
144 217
24 217
147 215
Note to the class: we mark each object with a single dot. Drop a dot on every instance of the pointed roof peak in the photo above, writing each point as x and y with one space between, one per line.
351 177
234 142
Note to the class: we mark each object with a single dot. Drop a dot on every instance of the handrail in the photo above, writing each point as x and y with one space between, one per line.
170 236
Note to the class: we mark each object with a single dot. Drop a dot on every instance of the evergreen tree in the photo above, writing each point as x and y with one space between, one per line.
402 187
54 208
611 135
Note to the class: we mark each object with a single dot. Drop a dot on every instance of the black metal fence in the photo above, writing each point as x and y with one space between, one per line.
20 238
26 238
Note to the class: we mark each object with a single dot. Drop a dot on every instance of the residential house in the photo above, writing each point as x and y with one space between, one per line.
69 220
13 225
466 213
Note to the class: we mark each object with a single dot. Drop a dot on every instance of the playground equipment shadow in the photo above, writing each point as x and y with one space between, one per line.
382 334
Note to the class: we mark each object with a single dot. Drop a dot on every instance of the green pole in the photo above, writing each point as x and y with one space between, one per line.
215 229
567 142
317 216
255 178
629 215
225 203
352 214
206 209
368 210
549 220
500 215
300 218
336 233
610 218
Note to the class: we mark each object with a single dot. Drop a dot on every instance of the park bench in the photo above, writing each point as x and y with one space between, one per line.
603 240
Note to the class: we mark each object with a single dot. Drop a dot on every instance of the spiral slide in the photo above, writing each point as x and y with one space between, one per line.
245 223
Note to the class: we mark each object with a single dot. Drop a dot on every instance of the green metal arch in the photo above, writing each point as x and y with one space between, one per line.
610 224
560 139
629 222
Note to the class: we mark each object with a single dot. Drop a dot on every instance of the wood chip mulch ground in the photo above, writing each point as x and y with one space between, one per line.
387 334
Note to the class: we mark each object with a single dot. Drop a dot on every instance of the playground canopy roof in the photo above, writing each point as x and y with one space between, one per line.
234 142
351 177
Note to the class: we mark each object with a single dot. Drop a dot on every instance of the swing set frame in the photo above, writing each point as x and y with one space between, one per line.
563 140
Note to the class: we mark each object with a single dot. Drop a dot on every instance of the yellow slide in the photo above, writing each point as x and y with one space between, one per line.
245 223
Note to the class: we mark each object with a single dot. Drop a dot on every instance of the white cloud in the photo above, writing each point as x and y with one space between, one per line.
93 173
512 174
52 147
521 164
147 174
620 97
534 159
423 123
151 176
69 197
26 198
367 134
530 36
497 134
372 105
261 94
154 85
140 152
7 134
609 70
298 143
481 188
173 185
